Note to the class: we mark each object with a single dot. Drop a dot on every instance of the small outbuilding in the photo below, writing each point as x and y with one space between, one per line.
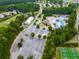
2 16
29 20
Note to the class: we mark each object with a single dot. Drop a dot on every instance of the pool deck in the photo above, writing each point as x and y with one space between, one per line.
56 21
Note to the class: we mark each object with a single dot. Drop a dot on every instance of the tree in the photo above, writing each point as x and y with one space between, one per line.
61 3
20 44
43 28
20 57
38 26
35 23
32 34
44 37
39 36
30 57
21 40
50 28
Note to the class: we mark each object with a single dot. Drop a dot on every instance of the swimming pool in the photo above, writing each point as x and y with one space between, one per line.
58 22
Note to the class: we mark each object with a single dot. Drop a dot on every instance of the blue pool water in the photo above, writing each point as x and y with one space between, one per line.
60 23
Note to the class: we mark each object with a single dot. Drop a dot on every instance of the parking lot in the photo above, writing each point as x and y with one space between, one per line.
31 46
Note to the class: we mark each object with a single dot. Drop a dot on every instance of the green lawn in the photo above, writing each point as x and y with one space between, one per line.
7 22
68 53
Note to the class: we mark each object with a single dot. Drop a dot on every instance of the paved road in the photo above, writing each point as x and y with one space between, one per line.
77 27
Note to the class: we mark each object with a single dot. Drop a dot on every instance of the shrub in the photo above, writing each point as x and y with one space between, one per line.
32 34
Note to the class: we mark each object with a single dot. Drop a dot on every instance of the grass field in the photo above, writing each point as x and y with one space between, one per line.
68 53
7 22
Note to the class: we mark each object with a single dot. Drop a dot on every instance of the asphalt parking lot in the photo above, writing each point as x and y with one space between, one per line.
31 46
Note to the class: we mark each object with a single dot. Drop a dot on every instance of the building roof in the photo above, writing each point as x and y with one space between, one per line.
29 20
1 16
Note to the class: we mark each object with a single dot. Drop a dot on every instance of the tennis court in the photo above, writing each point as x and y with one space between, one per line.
68 53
